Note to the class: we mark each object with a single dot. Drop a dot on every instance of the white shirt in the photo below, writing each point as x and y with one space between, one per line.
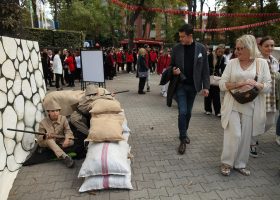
78 61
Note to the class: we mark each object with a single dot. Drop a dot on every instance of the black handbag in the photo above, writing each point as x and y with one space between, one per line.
247 96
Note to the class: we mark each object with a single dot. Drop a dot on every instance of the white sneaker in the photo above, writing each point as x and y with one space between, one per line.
278 139
164 94
208 113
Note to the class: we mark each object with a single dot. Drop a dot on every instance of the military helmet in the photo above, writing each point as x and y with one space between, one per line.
91 90
52 105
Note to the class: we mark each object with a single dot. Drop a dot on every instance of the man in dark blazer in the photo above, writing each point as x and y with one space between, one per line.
189 67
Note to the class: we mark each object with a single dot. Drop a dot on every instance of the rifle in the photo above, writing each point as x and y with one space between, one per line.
39 133
122 91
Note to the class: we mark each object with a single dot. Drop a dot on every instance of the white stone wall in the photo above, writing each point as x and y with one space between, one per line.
22 89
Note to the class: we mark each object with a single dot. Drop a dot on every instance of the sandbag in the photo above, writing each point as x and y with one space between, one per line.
106 182
66 99
106 159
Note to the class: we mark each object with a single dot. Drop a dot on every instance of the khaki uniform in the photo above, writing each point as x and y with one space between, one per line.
80 118
59 127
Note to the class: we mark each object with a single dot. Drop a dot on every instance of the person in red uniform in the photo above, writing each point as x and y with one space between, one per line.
129 61
153 58
70 62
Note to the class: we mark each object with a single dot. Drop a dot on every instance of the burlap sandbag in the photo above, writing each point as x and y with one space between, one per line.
106 127
66 99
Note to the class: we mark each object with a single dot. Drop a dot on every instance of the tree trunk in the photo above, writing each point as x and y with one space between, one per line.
10 18
132 18
35 17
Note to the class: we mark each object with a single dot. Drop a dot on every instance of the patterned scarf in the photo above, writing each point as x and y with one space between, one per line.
271 96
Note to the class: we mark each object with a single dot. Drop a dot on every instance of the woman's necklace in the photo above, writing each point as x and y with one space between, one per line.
244 64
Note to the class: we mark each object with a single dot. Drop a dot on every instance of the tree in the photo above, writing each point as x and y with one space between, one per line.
132 17
10 18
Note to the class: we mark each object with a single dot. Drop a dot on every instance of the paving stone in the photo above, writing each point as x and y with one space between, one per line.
145 184
244 192
190 196
156 193
211 186
148 177
79 197
184 173
157 167
140 170
166 175
138 194
123 195
54 194
176 190
180 181
162 163
163 183
194 188
264 197
226 194
33 196
175 197
209 195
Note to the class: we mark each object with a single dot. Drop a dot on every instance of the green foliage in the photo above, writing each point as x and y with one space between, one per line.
54 38
248 6
96 18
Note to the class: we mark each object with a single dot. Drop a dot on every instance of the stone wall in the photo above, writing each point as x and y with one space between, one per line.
22 89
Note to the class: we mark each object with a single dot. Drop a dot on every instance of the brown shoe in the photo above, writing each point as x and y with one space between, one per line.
182 147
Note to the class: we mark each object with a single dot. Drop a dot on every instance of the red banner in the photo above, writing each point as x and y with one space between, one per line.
238 27
185 12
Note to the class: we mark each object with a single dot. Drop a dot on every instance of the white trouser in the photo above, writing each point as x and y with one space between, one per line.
237 137
164 89
148 79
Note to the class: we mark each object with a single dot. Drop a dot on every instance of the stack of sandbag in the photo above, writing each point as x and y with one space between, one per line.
107 163
67 99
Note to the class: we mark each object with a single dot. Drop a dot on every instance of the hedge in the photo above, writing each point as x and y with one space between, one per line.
54 38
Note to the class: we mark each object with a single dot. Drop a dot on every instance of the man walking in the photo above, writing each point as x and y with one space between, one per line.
189 74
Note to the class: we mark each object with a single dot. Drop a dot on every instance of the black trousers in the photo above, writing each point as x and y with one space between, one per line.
128 67
71 78
141 85
57 79
213 97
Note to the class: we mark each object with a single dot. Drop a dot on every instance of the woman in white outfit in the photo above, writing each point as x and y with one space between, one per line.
240 121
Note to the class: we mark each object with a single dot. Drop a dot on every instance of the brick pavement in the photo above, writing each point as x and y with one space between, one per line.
158 171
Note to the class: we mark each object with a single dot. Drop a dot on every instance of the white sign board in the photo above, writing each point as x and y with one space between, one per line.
92 66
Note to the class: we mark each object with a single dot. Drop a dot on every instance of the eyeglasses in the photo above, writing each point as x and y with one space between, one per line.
239 48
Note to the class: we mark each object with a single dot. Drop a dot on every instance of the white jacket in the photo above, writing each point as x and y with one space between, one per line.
259 113
57 65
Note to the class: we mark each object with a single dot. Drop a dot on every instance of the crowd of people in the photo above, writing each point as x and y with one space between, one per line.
63 67
186 70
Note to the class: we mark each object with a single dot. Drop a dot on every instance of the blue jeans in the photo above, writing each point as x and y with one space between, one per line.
185 97
278 126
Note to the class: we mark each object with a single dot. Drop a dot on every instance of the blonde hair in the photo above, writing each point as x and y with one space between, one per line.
250 43
142 51
215 60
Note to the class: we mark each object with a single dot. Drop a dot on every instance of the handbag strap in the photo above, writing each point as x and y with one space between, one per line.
257 69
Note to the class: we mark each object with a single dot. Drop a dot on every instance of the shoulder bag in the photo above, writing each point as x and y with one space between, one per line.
249 95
